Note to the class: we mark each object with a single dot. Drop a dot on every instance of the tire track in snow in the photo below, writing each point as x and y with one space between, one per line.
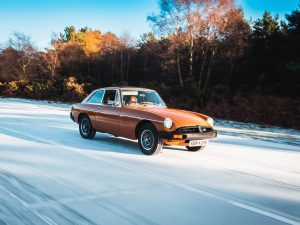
36 192
103 196
108 205
44 218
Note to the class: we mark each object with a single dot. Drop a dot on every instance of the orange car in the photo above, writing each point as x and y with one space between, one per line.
140 113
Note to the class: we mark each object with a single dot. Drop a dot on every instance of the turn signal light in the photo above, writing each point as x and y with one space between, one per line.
177 136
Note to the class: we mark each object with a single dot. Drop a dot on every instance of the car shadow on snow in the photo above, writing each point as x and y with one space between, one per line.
68 138
107 142
175 148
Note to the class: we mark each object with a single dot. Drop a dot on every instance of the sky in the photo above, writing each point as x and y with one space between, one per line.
41 18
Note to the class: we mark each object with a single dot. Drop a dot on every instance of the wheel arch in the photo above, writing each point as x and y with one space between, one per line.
82 115
140 124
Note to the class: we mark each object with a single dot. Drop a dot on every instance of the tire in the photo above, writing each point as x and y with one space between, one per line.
195 149
85 128
149 141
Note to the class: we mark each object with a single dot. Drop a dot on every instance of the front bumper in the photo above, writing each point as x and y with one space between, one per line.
185 136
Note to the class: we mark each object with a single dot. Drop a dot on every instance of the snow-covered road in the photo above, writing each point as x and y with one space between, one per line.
50 175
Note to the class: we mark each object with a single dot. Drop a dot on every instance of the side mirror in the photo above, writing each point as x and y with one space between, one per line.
117 104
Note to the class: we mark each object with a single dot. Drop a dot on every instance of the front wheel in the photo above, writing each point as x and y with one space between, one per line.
149 141
195 149
85 128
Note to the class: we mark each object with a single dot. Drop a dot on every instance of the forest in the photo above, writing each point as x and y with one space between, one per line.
201 55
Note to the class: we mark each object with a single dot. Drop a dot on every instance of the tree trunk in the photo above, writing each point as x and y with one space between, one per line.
202 68
144 76
99 76
23 72
112 67
53 64
52 73
127 68
88 66
24 68
122 73
191 57
179 70
209 70
230 71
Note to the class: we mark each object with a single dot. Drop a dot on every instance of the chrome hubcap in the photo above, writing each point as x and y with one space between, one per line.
147 139
85 126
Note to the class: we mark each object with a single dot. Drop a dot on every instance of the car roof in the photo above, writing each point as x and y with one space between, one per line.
126 88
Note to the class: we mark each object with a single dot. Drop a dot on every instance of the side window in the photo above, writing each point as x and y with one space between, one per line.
109 97
96 98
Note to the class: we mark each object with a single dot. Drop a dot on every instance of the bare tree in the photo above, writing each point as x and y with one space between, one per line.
210 18
170 21
51 57
125 43
26 52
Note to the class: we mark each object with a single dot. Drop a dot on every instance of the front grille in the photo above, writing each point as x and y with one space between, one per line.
196 129
189 130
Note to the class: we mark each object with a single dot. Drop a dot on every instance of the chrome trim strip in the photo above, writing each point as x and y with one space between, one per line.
141 118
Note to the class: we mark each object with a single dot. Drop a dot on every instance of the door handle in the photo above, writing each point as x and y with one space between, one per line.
98 107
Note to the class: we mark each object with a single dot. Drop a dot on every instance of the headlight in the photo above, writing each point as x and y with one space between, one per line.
210 121
168 123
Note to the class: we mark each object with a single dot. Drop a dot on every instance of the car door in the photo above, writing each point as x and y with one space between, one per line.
108 113
91 105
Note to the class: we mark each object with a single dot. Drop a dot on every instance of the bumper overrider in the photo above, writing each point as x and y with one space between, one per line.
189 133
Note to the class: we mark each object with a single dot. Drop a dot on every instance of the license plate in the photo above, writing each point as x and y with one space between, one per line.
194 143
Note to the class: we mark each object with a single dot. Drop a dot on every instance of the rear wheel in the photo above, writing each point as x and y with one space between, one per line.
195 149
149 141
85 128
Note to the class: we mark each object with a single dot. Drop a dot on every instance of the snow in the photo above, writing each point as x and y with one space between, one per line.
50 175
268 133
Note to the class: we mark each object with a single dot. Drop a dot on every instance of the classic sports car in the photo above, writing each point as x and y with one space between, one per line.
140 113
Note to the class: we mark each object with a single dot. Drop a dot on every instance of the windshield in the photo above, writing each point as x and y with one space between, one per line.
143 97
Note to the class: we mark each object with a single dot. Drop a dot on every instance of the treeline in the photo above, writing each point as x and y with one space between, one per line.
201 55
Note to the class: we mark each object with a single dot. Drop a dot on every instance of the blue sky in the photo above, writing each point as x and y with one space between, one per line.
40 18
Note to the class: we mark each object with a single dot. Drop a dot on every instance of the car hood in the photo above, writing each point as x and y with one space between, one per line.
180 117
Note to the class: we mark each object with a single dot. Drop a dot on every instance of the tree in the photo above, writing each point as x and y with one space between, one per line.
26 52
111 44
92 43
125 45
266 27
170 21
268 51
293 31
70 34
150 59
184 21
8 70
51 58
236 35
212 20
